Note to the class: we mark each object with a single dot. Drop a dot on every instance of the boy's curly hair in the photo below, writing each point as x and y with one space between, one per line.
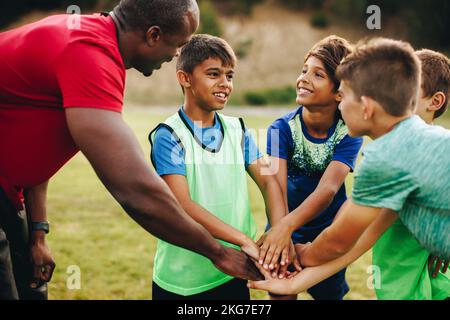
331 50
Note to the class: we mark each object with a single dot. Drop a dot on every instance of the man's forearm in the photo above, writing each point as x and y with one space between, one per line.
36 209
155 208
35 202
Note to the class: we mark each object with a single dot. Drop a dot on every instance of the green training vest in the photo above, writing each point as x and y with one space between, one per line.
403 266
217 181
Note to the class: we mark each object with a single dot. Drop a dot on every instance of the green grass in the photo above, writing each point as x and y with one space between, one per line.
115 255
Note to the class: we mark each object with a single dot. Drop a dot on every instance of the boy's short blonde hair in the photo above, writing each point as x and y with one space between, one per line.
385 70
435 76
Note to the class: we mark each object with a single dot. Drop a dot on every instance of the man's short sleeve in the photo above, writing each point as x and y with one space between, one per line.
347 151
91 76
381 185
167 153
279 139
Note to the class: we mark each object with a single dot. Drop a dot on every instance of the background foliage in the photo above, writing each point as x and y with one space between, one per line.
428 20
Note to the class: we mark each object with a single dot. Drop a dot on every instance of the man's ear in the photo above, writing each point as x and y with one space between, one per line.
437 101
183 79
153 35
368 105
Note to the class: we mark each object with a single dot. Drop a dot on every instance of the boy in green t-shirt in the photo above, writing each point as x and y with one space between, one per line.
405 171
203 156
404 273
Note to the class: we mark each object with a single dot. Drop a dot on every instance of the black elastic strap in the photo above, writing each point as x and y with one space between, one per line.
201 142
241 121
177 139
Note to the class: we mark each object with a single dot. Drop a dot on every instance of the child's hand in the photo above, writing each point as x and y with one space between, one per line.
300 249
282 271
274 285
435 264
274 243
250 248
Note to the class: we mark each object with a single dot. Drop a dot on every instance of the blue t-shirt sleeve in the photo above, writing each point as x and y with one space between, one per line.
167 154
251 150
347 151
279 139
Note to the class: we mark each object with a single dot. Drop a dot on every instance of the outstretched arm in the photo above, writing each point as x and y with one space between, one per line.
317 202
114 153
341 236
313 275
272 185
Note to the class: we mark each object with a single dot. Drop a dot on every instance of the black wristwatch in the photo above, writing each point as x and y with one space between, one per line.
40 226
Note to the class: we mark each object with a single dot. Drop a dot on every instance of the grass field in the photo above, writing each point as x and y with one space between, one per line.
114 254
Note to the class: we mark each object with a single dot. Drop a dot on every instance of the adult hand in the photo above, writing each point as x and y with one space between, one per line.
274 285
275 243
237 264
41 260
435 264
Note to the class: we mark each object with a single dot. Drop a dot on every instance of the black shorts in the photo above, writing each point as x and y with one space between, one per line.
16 270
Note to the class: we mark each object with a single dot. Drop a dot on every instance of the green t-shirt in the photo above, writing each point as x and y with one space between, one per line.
408 170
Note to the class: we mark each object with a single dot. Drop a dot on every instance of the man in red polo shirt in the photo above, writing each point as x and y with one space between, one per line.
61 91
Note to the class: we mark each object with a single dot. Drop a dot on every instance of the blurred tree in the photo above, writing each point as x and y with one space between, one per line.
10 10
319 20
209 19
13 9
301 4
429 23
350 9
232 7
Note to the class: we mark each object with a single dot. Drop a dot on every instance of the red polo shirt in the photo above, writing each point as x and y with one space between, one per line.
56 63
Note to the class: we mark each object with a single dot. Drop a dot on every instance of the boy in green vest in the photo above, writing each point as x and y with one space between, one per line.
203 156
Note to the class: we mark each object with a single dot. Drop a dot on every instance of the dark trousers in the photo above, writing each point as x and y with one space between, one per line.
16 270
235 289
